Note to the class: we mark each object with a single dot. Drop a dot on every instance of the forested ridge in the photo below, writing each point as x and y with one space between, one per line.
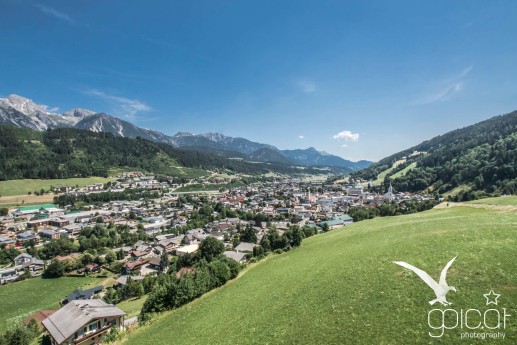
68 152
481 158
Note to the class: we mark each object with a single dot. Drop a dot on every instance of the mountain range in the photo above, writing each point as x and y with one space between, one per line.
22 112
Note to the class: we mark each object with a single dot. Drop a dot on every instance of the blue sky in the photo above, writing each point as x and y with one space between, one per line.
360 79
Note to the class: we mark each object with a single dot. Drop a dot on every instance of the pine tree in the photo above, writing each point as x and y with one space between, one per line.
164 261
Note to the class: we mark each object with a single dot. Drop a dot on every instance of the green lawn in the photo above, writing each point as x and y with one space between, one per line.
21 187
21 299
132 306
383 174
504 200
342 287
403 171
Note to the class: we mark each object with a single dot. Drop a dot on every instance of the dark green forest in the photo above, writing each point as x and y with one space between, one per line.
67 152
482 158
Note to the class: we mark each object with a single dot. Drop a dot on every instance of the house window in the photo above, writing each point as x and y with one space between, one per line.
92 327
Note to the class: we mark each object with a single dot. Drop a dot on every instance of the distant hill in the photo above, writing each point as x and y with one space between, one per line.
312 157
266 154
467 162
22 112
221 141
70 152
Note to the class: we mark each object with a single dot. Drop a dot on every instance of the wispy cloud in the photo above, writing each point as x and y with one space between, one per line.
53 109
446 89
126 107
55 13
306 86
301 137
346 136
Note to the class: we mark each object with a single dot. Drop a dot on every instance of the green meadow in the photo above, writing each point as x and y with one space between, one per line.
22 187
21 299
342 287
132 306
502 201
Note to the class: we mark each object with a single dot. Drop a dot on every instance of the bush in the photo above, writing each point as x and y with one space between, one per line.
55 270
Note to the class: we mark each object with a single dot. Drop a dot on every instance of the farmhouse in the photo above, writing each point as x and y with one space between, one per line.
83 322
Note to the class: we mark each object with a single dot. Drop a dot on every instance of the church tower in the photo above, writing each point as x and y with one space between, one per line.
389 194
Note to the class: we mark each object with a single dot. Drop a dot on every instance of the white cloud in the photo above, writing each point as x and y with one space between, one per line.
446 90
301 137
124 106
52 110
55 13
346 136
306 86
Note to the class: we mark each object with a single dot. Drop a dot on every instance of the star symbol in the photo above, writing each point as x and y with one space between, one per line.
490 295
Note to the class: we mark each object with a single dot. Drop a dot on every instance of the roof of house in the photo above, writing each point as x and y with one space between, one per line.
6 240
245 247
67 320
235 256
23 255
155 261
48 232
188 249
135 264
122 280
184 271
84 294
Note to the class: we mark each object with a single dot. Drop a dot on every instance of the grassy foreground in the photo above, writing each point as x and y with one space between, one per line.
21 299
343 288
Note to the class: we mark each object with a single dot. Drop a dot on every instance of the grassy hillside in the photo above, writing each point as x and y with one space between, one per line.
21 299
342 287
480 158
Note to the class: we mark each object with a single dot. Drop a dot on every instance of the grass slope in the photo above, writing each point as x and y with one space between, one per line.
503 200
21 299
342 287
132 306
383 174
403 171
